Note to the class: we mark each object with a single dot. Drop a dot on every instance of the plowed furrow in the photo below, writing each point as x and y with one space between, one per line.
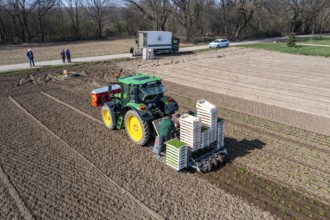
52 180
145 208
25 212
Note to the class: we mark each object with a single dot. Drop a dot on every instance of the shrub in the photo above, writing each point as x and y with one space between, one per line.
292 40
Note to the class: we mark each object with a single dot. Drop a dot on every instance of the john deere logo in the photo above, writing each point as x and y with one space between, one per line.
159 38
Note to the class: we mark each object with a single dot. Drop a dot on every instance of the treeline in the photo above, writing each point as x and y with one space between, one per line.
66 20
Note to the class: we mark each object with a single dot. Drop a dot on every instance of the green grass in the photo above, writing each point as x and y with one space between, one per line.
283 48
322 40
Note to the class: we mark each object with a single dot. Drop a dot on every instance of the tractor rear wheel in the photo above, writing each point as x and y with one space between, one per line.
137 129
108 117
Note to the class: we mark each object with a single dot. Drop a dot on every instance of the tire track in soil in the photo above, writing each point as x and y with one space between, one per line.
8 208
24 210
143 207
279 200
185 211
69 106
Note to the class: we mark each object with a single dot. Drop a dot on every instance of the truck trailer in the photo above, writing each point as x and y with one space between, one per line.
159 41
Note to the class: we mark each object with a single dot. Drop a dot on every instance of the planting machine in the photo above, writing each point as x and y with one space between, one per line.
138 104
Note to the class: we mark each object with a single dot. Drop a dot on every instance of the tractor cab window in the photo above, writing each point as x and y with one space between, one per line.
132 94
125 91
151 90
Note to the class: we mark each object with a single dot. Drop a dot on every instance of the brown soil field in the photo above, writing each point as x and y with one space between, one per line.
290 82
58 161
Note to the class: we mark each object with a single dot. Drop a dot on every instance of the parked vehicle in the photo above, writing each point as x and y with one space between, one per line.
159 41
219 43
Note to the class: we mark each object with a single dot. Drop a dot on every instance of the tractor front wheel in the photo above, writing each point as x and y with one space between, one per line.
108 117
137 129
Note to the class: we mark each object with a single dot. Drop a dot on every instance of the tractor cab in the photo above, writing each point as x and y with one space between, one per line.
151 92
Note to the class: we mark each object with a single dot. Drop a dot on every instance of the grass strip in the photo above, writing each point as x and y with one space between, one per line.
300 49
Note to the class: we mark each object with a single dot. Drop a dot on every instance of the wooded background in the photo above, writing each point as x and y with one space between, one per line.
191 20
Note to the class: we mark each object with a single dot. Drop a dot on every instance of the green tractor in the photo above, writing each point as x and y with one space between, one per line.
139 101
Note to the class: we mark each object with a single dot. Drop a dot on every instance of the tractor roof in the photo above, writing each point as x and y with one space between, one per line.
139 79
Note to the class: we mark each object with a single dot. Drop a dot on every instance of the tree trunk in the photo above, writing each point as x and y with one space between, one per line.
238 31
41 27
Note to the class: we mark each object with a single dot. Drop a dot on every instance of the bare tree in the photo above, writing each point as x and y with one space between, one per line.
188 12
22 11
305 13
324 19
42 8
45 20
73 10
246 10
97 9
3 32
156 11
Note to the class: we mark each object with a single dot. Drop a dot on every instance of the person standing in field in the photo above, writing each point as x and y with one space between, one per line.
63 56
68 55
29 54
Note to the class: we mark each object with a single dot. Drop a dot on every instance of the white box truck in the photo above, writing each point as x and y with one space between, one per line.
159 41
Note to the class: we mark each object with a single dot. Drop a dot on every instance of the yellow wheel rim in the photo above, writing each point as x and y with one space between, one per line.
106 117
134 128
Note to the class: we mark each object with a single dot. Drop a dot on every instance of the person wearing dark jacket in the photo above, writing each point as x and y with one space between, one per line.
167 129
63 56
29 54
68 55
